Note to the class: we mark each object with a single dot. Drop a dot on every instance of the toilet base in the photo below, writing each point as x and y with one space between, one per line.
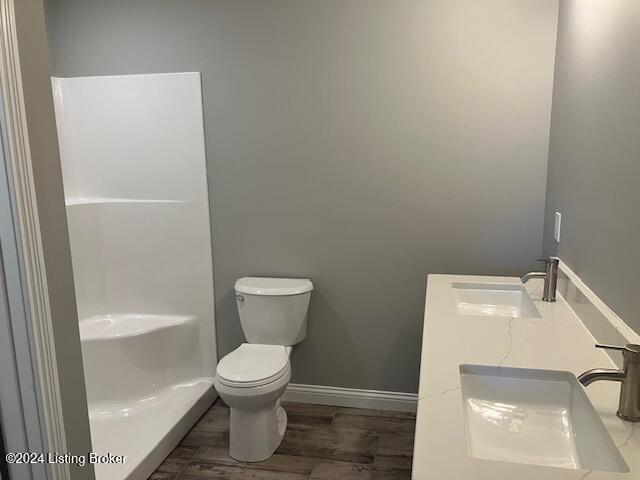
255 434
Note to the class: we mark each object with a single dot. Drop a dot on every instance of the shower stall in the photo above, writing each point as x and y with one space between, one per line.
135 180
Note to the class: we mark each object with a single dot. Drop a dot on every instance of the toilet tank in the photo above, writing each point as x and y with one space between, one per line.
273 311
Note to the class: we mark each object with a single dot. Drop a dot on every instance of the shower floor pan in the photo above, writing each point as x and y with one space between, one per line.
146 430
146 386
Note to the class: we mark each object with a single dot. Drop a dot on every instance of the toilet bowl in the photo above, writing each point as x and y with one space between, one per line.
252 378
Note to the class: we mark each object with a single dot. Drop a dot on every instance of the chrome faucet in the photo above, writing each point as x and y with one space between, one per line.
550 276
629 376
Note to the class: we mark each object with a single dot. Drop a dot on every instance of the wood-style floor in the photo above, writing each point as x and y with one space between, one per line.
321 443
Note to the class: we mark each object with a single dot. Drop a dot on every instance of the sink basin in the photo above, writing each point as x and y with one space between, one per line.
493 299
540 417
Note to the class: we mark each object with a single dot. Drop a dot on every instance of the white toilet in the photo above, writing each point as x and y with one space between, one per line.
252 378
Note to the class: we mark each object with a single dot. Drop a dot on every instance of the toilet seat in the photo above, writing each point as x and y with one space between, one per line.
253 365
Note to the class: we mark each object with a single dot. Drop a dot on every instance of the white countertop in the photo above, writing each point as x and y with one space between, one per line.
557 341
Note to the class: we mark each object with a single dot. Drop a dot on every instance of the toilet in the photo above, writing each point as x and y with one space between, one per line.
252 378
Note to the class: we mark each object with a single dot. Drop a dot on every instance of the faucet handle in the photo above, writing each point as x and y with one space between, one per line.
550 259
610 347
629 350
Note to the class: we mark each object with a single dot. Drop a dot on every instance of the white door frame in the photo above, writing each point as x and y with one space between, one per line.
19 410
24 294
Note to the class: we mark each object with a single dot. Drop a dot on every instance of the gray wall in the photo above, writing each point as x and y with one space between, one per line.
360 143
594 158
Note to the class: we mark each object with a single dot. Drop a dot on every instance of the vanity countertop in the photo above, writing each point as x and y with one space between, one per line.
557 341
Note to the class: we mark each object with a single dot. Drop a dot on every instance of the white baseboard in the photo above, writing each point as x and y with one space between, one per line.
351 397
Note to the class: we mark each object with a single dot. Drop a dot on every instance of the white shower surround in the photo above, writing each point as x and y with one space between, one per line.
135 180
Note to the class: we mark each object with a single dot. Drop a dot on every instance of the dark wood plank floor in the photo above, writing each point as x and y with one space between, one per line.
321 443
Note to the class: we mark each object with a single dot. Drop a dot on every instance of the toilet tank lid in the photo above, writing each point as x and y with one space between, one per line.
273 286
